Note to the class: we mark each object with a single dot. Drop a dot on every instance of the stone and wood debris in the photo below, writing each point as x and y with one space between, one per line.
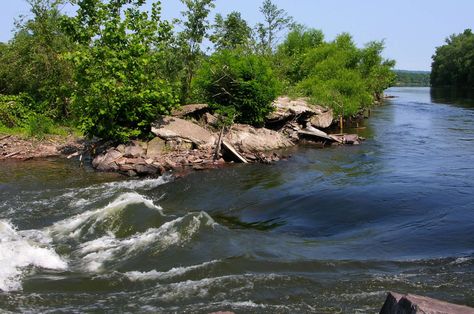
191 138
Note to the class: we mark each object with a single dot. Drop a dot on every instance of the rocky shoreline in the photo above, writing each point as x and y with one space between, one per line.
192 138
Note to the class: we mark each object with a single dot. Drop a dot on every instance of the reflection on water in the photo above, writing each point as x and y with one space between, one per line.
456 96
328 231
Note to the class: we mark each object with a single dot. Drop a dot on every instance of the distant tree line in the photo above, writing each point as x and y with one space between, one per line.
113 67
453 63
412 78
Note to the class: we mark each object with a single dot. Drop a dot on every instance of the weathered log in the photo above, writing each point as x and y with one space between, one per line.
234 152
315 133
412 304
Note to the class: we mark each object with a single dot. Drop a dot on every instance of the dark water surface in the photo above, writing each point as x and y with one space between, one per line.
329 231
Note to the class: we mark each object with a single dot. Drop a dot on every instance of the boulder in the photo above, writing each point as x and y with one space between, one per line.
412 304
210 119
250 139
287 109
107 161
134 151
172 128
156 147
187 110
323 120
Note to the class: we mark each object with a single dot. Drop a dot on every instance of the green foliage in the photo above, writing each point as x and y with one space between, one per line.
14 110
453 63
412 78
32 61
119 93
231 33
242 81
335 74
195 30
38 125
276 21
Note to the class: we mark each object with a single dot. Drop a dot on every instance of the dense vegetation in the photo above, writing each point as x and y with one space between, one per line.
113 66
453 63
412 78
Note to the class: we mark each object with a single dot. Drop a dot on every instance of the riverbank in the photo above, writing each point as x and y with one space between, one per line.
193 138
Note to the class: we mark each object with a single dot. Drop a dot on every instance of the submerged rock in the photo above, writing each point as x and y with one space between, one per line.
412 304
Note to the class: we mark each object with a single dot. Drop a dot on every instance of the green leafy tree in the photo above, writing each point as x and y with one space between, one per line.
276 20
195 30
118 91
453 63
239 82
232 32
33 62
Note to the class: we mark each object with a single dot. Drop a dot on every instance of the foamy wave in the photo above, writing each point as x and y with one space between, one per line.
18 251
73 227
155 275
108 248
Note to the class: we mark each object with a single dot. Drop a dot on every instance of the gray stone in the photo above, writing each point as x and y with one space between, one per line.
412 304
323 120
188 110
156 147
171 128
250 139
134 151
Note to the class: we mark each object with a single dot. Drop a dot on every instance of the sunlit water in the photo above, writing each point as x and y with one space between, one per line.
328 231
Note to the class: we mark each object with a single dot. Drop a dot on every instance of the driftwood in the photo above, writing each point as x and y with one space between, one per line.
219 143
234 152
5 137
315 133
12 154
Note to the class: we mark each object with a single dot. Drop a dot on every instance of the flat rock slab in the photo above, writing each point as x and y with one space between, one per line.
285 107
172 128
412 304
250 139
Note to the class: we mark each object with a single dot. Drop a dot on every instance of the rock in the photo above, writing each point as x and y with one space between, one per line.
107 162
155 148
171 128
352 139
210 119
121 148
287 109
413 304
187 110
134 151
250 139
323 120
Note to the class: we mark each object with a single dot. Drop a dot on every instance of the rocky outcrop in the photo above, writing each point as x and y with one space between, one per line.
299 110
172 128
412 304
249 139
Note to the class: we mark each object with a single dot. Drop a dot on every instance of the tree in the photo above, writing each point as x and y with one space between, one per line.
232 32
118 91
239 82
453 63
276 20
195 30
33 60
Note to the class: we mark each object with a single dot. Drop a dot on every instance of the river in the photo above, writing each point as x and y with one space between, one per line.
328 231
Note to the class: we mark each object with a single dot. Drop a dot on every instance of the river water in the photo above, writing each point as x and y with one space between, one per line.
328 231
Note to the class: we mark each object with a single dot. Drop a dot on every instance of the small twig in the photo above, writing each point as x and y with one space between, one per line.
5 137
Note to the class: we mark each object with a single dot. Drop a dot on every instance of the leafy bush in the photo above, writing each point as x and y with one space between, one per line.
14 110
241 81
119 93
38 125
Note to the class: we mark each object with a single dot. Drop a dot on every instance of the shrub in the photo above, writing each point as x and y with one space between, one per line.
14 110
38 125
241 81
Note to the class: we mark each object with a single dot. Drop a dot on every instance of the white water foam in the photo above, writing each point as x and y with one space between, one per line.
176 271
72 227
176 232
18 250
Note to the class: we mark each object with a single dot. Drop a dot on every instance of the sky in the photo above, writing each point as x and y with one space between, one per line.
411 29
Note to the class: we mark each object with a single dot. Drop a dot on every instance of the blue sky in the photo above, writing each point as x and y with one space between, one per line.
411 28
